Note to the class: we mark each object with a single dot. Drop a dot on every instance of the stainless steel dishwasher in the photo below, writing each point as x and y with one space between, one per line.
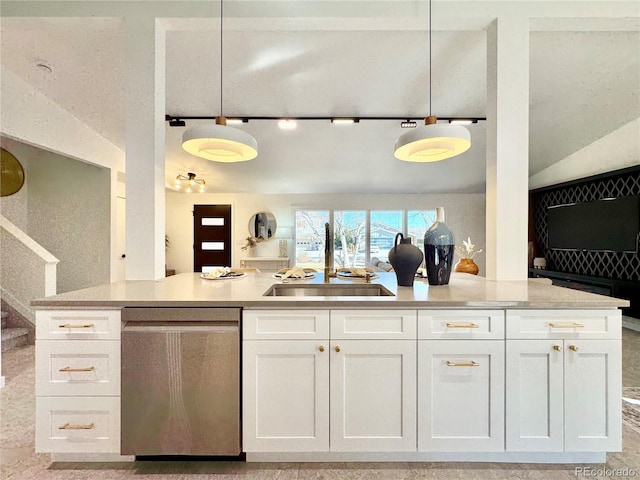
180 381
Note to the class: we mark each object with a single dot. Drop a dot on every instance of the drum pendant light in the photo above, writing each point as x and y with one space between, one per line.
219 142
432 142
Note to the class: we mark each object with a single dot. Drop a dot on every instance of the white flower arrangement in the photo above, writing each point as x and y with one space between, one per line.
469 249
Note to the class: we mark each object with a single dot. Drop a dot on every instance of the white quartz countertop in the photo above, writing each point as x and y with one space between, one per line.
464 290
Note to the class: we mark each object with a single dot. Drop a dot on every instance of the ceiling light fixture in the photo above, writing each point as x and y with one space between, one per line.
433 142
345 121
408 124
462 121
287 124
219 142
190 182
177 122
238 120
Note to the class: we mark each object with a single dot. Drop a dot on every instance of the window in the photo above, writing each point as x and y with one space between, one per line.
385 225
309 237
349 236
418 222
358 235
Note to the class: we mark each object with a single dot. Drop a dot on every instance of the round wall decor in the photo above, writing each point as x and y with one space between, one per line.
11 174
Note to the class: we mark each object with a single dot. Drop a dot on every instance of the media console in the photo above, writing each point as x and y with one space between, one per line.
604 286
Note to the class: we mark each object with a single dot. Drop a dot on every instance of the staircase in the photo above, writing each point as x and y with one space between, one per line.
16 331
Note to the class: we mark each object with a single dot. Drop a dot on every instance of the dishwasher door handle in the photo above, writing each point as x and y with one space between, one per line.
217 327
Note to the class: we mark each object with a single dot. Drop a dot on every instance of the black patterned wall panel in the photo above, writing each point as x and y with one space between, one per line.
615 265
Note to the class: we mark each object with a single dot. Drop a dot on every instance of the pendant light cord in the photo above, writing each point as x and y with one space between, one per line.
430 43
221 50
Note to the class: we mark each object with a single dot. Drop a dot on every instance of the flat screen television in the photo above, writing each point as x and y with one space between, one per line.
611 224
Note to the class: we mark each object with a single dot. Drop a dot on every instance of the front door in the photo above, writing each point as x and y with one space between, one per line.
211 237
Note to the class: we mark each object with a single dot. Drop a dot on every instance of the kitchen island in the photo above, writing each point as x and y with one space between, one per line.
472 371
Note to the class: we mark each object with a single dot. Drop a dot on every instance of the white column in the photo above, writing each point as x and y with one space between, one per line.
145 148
507 148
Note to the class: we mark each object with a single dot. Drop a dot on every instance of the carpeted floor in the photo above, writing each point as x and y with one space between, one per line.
631 408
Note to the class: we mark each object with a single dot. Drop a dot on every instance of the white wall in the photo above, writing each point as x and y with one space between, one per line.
619 149
465 216
27 115
68 213
14 207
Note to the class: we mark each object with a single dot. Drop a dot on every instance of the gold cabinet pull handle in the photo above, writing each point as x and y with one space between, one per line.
463 364
462 325
573 348
68 426
557 348
69 325
337 349
69 369
321 348
566 325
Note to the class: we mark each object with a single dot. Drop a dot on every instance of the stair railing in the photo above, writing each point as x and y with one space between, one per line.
27 270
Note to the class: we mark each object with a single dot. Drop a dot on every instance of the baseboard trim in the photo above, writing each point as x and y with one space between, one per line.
501 457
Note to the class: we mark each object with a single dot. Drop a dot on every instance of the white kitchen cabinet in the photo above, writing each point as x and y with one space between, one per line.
78 324
592 396
373 324
534 403
461 324
285 396
564 392
460 395
285 324
563 324
78 424
303 393
78 381
373 391
78 368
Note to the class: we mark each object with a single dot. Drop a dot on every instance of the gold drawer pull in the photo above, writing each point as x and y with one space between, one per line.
68 426
69 369
573 348
566 325
462 325
68 325
463 364
557 348
321 348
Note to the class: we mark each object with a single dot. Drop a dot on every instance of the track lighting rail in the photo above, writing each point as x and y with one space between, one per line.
178 120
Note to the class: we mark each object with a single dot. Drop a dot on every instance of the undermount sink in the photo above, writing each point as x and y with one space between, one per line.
327 290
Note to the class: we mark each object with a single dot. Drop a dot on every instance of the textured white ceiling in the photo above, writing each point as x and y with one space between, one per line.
583 85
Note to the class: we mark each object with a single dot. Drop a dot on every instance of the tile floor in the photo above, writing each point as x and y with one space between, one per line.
18 460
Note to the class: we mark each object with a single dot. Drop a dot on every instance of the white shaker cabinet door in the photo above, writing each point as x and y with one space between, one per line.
373 393
285 396
460 395
534 398
593 396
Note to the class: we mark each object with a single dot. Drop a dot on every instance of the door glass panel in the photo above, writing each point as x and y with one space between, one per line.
212 245
213 222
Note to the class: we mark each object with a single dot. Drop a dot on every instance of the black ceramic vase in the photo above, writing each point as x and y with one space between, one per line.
405 259
438 251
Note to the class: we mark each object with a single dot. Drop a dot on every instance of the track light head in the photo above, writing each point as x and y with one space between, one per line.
408 124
